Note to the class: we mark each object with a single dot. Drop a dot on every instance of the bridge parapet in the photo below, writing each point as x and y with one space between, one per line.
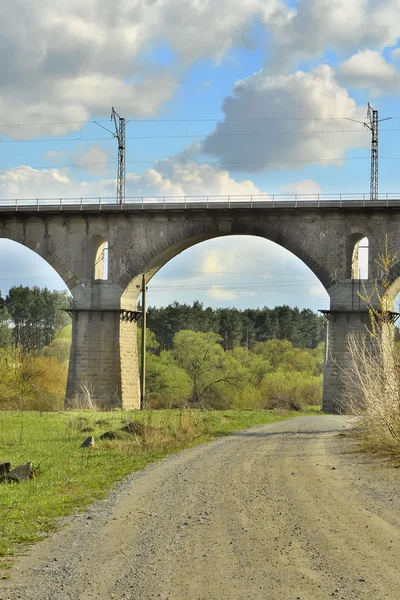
262 201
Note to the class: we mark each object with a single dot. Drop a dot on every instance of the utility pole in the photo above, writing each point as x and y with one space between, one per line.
119 134
372 115
143 350
373 124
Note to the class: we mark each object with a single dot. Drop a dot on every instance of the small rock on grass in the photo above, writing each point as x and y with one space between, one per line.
5 467
135 428
88 443
109 435
19 474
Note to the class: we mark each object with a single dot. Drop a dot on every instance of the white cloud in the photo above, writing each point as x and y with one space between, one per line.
166 179
189 178
344 25
68 59
213 263
369 70
304 187
216 292
94 160
395 54
271 102
54 155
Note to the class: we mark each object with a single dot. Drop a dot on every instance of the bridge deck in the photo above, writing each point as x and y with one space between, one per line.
284 202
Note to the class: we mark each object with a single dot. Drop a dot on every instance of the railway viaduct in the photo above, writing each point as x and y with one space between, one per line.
143 236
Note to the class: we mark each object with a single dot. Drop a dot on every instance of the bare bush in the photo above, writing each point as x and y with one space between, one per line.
85 400
372 379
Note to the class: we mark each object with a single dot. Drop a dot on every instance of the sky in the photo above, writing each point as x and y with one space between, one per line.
222 97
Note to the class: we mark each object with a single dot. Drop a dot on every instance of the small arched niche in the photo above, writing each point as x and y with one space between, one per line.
359 260
100 253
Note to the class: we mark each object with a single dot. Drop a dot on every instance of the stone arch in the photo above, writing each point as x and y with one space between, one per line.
66 274
158 256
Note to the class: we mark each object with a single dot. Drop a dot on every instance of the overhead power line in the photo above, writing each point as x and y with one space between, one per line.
182 120
198 162
187 136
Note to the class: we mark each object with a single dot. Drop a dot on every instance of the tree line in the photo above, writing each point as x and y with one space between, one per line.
198 372
30 317
303 328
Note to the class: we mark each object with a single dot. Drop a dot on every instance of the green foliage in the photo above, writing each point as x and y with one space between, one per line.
5 328
152 344
36 315
304 328
31 381
202 368
202 357
167 385
290 390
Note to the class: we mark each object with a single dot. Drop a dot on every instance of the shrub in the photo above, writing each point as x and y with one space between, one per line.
290 390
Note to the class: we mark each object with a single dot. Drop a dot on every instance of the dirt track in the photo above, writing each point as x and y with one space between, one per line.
279 512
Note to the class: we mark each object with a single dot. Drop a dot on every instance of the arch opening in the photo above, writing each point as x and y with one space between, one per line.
101 255
360 259
35 331
261 303
158 258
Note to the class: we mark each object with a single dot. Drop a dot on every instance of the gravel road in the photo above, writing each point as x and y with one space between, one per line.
278 512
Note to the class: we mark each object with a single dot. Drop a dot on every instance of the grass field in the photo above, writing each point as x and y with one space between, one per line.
70 477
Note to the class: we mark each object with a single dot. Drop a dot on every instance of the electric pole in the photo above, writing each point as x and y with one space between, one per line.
374 121
143 349
119 134
120 124
372 115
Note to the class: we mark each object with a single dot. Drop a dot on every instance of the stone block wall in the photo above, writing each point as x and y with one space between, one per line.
103 360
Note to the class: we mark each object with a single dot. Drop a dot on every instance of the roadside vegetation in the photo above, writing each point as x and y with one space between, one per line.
219 373
69 477
373 378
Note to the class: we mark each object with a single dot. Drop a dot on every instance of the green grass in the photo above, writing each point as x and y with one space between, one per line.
70 477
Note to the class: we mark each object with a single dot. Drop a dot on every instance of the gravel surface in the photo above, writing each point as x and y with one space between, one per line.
286 511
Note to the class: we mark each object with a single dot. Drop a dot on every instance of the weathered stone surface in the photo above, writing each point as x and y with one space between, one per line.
20 473
5 467
88 443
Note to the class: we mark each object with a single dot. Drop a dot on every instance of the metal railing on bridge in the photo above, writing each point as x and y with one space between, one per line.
138 203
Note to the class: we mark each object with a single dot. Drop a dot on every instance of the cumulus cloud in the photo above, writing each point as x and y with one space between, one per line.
94 160
213 263
54 155
164 180
67 59
343 25
369 70
305 187
216 292
272 114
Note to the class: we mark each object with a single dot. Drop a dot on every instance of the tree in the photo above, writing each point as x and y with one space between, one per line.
36 314
305 329
167 385
202 357
5 328
230 327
